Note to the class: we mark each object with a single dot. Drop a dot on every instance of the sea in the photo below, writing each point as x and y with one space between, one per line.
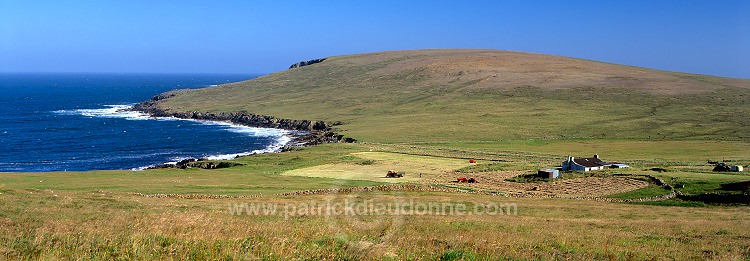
80 122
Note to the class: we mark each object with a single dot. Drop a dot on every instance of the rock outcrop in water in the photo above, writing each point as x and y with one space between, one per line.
307 132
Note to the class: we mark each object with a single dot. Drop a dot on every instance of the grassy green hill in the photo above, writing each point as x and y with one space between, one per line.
488 95
512 112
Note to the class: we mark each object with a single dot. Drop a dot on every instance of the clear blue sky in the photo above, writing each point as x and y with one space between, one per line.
708 37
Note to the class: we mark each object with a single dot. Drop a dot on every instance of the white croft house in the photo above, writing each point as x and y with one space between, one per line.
589 164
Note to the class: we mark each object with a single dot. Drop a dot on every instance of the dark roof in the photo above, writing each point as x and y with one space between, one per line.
589 162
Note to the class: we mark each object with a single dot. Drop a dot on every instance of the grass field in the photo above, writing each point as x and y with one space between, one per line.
374 165
100 214
425 113
684 152
116 226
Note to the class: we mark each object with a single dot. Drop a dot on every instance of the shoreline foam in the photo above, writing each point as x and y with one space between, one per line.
311 132
282 137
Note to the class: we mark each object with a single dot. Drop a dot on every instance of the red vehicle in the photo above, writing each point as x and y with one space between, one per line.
466 180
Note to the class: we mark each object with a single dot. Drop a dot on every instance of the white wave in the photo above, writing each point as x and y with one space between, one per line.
123 111
111 111
281 141
281 137
250 131
154 165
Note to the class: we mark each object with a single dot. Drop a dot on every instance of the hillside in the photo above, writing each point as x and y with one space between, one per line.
487 95
334 201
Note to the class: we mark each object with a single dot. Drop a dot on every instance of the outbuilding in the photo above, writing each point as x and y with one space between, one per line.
549 173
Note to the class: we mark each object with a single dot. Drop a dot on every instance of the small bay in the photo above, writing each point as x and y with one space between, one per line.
77 122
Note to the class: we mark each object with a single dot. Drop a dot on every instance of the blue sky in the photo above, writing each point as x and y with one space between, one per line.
707 37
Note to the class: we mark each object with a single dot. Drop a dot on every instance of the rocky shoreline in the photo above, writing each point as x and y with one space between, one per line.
304 133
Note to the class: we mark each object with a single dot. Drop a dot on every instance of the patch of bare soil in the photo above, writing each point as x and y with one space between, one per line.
561 188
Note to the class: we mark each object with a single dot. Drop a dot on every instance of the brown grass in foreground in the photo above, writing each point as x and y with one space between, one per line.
82 225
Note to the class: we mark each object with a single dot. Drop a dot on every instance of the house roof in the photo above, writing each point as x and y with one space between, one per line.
588 162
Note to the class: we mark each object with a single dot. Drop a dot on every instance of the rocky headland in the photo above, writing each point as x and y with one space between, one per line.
305 132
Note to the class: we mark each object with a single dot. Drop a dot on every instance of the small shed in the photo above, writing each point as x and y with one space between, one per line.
549 173
619 166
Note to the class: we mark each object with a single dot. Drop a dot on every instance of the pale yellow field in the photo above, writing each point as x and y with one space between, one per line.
416 168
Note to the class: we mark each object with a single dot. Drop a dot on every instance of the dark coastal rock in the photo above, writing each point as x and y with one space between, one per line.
319 125
308 132
197 163
306 63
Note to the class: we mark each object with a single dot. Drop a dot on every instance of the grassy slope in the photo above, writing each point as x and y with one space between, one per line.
457 104
482 95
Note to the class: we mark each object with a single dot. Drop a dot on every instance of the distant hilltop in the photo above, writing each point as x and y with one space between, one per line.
485 95
509 69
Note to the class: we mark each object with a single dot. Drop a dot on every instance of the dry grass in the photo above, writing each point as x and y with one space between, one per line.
492 69
564 188
118 226
98 215
374 166
441 171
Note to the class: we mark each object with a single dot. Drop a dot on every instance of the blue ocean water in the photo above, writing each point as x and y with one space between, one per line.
74 122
